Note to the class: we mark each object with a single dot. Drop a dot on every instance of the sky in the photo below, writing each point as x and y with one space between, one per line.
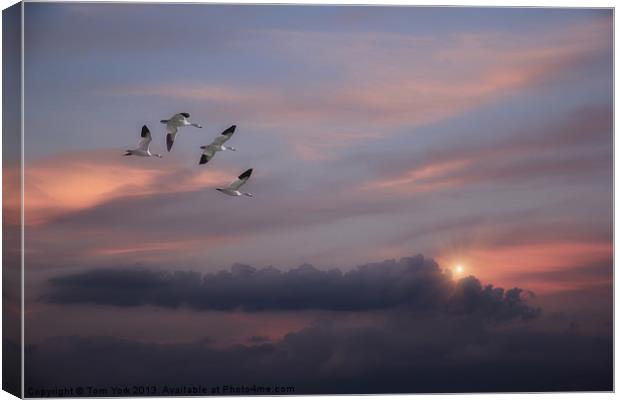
389 145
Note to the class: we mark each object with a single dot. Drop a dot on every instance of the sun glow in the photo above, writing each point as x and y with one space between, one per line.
458 268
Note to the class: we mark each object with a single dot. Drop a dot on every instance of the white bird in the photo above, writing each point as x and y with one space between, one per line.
233 188
217 145
143 145
173 124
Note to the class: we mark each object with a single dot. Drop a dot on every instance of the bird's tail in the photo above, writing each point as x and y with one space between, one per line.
203 147
164 121
128 153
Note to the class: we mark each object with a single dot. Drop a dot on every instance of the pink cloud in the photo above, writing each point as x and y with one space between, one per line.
501 264
67 182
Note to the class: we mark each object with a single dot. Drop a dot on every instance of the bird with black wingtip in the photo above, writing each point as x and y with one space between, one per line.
208 151
143 149
233 188
173 124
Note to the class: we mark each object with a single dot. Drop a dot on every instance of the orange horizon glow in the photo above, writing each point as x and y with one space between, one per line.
501 265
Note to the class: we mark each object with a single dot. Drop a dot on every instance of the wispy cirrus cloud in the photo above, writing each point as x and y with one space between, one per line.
68 183
126 218
527 154
381 81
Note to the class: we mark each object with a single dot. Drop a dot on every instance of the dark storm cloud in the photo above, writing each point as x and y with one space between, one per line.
413 283
453 354
258 339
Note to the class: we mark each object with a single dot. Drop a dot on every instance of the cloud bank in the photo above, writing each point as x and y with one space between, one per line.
413 283
404 355
411 328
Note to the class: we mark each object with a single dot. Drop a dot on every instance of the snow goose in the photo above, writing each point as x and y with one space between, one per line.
233 188
143 145
173 124
217 145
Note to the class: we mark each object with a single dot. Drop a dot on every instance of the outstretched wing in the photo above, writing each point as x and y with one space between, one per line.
223 138
145 138
207 154
171 134
170 140
241 180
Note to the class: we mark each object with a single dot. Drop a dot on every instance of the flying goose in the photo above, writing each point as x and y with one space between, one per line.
217 145
233 188
143 145
173 124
